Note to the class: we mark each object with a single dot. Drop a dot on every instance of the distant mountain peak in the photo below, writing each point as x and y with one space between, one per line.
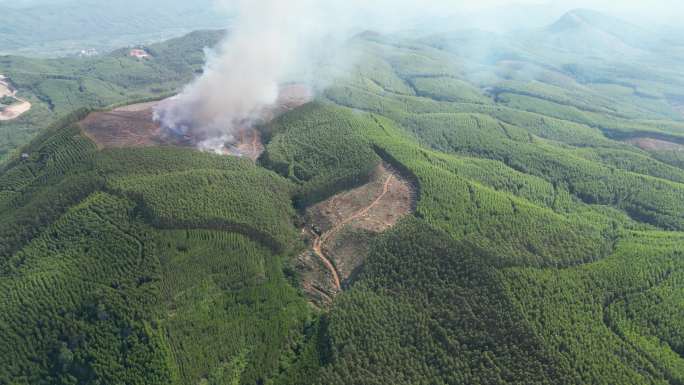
586 13
582 18
588 30
589 18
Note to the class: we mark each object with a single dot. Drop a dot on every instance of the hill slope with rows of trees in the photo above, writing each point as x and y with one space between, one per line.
546 245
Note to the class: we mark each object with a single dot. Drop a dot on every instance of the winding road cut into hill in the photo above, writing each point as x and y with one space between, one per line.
340 229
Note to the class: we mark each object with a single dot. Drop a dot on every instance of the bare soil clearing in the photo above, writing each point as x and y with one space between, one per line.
14 110
134 126
291 96
130 126
650 144
340 229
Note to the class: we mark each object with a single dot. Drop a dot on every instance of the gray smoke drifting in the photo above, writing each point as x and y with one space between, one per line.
273 42
242 78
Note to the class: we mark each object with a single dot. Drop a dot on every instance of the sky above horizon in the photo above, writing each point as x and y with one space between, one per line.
487 14
536 13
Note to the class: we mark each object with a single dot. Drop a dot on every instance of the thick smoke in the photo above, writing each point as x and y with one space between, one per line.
270 43
242 78
273 42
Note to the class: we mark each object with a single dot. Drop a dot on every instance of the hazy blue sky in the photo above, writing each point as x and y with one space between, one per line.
670 9
488 14
501 14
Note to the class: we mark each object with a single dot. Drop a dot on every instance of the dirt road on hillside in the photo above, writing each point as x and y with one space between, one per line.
317 248
341 227
319 241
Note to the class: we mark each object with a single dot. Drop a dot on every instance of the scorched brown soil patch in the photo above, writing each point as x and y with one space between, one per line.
134 126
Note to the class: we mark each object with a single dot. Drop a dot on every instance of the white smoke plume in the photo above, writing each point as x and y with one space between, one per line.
272 42
242 77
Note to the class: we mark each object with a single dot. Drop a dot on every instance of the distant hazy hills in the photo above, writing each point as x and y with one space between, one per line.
66 27
588 32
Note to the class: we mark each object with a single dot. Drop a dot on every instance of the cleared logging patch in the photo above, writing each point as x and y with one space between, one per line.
340 229
129 126
652 144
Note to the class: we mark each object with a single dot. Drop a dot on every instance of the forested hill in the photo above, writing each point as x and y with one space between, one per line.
54 28
544 243
57 87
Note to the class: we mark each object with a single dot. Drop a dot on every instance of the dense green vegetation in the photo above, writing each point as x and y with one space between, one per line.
231 316
51 28
322 149
581 302
76 302
153 272
57 87
432 312
544 249
36 191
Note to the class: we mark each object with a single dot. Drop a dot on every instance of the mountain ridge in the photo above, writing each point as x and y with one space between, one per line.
588 30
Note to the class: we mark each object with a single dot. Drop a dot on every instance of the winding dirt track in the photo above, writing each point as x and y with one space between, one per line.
317 248
319 241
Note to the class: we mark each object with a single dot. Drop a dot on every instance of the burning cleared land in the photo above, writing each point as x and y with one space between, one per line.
137 125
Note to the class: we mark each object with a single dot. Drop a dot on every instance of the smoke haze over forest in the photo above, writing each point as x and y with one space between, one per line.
270 42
